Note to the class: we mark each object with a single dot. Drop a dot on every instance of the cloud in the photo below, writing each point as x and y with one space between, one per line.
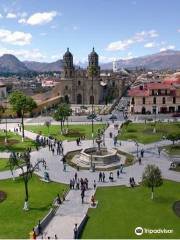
137 38
178 30
33 54
170 47
150 45
15 38
11 15
43 34
41 18
1 16
22 20
104 59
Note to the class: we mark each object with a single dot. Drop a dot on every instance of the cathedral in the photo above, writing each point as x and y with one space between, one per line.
80 86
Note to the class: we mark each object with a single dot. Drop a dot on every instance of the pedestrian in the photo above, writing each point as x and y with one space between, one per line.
75 231
121 168
94 184
75 176
100 177
139 160
118 173
55 236
142 153
159 151
82 196
39 228
103 177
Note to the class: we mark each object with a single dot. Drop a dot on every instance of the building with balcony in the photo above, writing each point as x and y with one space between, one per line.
156 97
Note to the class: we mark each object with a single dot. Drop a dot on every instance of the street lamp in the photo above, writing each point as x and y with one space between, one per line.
137 145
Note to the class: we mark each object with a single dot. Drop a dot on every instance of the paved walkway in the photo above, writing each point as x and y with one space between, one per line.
72 210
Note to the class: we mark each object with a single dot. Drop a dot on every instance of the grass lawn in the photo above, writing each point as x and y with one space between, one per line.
4 164
74 131
17 223
15 143
120 210
173 149
143 133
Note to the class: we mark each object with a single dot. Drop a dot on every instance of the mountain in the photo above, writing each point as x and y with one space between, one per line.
10 64
169 59
44 66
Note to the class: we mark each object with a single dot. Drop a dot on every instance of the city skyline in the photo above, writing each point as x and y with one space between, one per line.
42 30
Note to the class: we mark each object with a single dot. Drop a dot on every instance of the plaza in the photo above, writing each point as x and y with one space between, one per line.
72 211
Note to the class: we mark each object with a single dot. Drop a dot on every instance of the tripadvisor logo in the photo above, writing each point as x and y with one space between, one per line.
139 231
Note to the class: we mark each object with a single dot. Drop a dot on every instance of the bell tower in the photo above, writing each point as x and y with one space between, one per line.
68 71
93 60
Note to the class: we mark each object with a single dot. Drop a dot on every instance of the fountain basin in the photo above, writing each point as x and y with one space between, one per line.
103 157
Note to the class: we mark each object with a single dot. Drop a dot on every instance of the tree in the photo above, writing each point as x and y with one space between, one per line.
62 113
23 162
1 111
47 124
22 104
152 178
173 137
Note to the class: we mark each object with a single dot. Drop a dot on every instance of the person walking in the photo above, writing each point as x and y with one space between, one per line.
94 184
75 231
118 173
103 177
82 195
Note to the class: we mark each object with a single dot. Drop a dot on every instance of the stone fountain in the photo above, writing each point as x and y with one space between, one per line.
100 157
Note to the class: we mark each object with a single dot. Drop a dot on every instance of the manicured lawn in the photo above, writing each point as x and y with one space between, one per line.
173 149
17 223
120 210
74 131
15 143
143 133
4 164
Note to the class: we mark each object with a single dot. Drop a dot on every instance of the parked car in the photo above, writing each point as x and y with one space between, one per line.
98 119
113 117
91 116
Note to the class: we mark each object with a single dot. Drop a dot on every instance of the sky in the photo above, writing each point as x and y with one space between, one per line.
41 30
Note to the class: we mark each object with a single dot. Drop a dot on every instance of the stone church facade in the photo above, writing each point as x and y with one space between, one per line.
77 86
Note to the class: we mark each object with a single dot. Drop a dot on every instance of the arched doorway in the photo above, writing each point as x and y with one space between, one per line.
79 99
91 100
143 110
66 99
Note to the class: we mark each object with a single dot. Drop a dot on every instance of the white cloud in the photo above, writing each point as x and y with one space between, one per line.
128 57
137 38
170 47
15 38
33 54
22 20
150 45
104 59
178 30
1 16
41 18
11 15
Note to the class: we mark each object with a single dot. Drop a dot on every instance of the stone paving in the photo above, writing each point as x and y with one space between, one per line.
72 210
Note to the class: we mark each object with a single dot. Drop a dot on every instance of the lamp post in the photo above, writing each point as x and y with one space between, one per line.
137 145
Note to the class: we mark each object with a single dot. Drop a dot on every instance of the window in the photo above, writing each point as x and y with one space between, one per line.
174 100
66 87
166 92
154 100
164 100
159 91
79 83
144 100
153 92
132 101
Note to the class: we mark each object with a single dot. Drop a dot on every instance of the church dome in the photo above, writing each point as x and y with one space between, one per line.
93 53
68 54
